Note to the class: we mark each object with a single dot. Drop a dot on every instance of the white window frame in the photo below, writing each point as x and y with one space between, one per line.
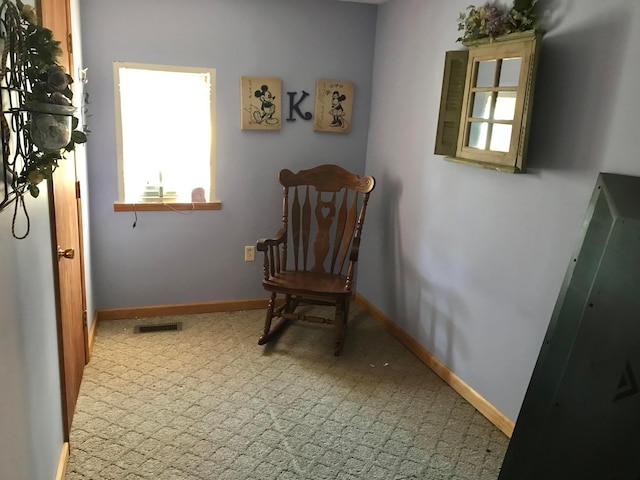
117 66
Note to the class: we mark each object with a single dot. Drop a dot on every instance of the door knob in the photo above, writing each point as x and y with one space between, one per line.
66 253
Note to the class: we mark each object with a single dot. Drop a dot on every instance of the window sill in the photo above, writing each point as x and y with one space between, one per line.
162 207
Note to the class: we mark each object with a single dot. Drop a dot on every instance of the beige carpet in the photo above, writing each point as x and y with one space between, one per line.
207 402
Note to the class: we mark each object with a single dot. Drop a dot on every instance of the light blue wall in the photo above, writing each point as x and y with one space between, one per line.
31 434
473 260
170 258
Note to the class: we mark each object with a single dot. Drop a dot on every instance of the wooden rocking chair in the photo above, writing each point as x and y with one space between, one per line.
325 218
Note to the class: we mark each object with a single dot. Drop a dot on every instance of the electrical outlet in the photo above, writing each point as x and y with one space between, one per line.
249 253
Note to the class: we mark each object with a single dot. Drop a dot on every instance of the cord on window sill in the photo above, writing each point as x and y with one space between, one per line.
188 212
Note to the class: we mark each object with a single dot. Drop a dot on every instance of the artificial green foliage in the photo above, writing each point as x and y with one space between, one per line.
522 5
492 20
523 16
47 83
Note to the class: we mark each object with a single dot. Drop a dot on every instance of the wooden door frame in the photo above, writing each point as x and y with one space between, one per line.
48 11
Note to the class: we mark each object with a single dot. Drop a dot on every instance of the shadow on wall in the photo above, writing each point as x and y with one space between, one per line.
553 12
421 308
576 87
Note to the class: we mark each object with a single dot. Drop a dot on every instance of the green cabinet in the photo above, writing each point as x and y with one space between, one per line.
581 414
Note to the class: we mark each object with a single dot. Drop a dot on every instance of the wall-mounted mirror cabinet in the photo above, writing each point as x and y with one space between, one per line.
486 102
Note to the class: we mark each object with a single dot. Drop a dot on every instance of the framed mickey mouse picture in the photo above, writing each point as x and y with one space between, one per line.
334 103
260 103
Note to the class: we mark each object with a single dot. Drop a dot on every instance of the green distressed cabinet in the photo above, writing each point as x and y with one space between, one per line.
581 414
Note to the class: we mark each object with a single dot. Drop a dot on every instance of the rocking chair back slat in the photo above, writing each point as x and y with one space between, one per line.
282 252
340 226
325 212
348 233
306 227
295 225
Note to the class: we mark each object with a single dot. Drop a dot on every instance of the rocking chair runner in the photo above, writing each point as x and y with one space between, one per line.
325 218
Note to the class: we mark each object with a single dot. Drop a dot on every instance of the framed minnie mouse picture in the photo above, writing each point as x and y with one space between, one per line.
260 103
334 103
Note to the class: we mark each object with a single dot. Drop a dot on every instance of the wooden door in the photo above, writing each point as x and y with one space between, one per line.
66 232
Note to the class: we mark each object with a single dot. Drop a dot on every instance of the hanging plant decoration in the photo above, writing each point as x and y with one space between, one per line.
493 20
38 123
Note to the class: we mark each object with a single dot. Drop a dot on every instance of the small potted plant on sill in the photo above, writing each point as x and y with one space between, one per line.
491 21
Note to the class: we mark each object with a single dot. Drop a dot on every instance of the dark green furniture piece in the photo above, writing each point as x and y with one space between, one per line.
580 419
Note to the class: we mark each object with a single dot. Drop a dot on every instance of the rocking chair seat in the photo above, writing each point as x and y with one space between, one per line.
308 284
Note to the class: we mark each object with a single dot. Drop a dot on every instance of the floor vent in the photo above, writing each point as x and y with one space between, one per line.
164 327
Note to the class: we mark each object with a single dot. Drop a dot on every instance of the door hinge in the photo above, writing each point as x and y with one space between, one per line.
78 189
70 45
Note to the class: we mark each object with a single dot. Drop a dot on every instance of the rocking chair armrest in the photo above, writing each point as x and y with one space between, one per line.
277 239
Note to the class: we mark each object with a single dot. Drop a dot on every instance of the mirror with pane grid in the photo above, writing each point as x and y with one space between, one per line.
486 102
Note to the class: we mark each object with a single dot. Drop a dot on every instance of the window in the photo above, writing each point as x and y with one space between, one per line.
485 104
165 118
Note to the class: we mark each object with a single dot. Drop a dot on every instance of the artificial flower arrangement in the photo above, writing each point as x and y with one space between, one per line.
51 125
493 20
